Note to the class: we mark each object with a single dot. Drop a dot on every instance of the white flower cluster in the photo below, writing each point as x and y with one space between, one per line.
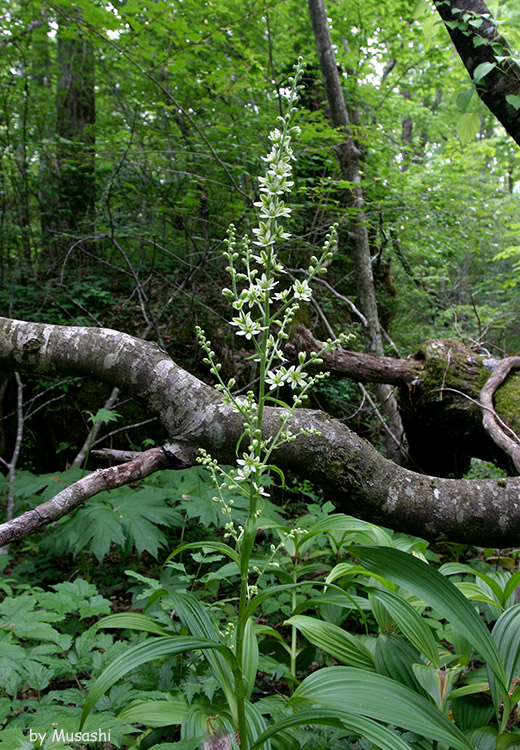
265 302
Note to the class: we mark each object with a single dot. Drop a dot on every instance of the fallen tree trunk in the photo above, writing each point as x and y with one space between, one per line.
350 471
440 401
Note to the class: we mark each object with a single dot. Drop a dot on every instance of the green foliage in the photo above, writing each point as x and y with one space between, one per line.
266 597
372 618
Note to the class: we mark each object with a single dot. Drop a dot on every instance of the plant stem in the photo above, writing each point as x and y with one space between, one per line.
242 725
294 642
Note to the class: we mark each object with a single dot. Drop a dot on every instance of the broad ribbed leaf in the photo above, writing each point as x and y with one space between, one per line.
273 590
197 622
471 711
506 634
348 569
474 593
343 523
511 585
132 621
372 695
439 593
410 623
249 657
155 648
256 725
394 657
365 728
454 568
437 683
216 546
345 647
157 713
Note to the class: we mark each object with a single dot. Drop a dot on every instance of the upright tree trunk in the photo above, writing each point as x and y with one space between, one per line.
349 158
72 209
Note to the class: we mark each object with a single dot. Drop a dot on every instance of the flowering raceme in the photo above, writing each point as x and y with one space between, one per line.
263 316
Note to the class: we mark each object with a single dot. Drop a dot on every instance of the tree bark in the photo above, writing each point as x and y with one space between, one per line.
70 203
364 367
478 44
348 469
349 158
445 398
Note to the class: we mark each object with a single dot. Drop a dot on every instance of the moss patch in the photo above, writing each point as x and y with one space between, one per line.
507 401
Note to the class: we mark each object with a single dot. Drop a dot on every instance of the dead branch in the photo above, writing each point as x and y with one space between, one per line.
361 366
490 419
71 497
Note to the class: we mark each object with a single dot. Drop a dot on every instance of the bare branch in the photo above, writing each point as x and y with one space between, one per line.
70 498
359 365
492 423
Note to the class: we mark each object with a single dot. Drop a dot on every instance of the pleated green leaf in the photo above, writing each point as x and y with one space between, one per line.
454 568
249 657
215 546
511 585
372 695
155 648
439 593
157 713
339 522
365 728
348 569
410 623
506 634
132 621
337 642
197 622
395 657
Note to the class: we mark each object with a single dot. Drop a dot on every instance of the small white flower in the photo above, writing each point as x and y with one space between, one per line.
282 296
265 284
274 379
249 464
295 377
302 290
246 325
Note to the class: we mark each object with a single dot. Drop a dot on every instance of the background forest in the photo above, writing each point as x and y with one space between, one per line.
131 136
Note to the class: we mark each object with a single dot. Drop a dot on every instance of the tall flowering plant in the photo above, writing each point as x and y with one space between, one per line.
264 302
355 697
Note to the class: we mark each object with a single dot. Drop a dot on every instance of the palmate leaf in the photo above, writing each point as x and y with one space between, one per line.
119 516
155 648
439 593
366 728
372 695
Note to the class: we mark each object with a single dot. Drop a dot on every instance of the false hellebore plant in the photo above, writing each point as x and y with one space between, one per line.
264 304
354 697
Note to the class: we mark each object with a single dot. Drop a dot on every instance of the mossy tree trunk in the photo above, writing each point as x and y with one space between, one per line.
439 400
